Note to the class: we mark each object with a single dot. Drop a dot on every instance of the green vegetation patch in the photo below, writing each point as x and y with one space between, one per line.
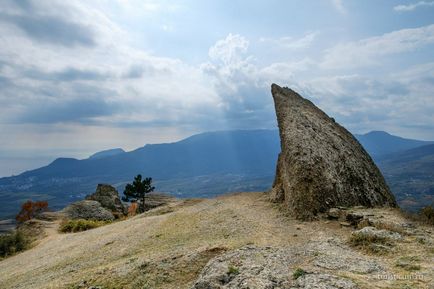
298 273
427 215
12 243
232 270
79 225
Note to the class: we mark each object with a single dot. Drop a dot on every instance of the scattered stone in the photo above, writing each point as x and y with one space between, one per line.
89 210
321 165
354 218
424 240
334 214
345 224
108 197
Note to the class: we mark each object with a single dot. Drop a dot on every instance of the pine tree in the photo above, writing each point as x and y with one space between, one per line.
137 191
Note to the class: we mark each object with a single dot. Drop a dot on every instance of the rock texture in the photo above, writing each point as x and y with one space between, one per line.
321 165
108 197
274 267
90 210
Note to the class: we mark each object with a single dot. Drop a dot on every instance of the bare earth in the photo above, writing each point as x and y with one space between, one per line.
169 246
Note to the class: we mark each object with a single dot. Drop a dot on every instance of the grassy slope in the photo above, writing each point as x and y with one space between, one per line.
167 247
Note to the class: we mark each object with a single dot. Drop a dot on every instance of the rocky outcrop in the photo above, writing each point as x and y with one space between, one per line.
89 210
108 197
321 165
278 267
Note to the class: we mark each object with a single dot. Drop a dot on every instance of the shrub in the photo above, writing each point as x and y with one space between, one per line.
12 243
232 270
427 214
298 273
132 209
30 209
73 226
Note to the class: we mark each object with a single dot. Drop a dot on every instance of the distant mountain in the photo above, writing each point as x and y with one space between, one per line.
107 153
379 143
203 165
410 175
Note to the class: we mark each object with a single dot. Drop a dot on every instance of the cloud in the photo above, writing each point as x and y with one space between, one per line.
52 30
413 6
113 89
111 84
366 52
339 5
67 74
290 43
229 50
74 110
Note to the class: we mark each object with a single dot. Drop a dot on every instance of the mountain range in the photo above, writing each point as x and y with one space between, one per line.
210 164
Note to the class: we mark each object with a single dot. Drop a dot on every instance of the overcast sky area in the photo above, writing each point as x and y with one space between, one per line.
78 77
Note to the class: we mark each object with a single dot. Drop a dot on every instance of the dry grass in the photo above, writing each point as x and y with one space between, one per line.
80 225
167 247
370 243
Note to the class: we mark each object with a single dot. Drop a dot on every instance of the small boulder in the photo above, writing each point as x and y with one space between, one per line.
87 209
372 232
108 197
334 214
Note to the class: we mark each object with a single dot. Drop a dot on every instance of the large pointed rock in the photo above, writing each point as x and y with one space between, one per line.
321 164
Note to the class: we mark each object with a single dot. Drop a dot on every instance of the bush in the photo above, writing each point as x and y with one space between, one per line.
298 273
73 226
12 243
30 209
232 270
132 209
426 214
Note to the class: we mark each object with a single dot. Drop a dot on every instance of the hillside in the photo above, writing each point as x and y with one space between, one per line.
203 165
170 246
380 143
411 176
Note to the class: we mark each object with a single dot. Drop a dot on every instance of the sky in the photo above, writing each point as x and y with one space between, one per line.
77 77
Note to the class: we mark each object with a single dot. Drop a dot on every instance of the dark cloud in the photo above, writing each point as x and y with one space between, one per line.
73 103
67 74
138 71
76 110
52 30
145 70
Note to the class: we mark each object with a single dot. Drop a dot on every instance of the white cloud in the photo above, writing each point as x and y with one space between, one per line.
413 6
339 5
229 50
366 52
103 91
291 43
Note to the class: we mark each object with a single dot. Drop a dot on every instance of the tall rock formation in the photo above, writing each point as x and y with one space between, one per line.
321 165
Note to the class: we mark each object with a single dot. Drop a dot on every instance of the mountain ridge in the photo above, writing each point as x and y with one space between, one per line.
202 165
